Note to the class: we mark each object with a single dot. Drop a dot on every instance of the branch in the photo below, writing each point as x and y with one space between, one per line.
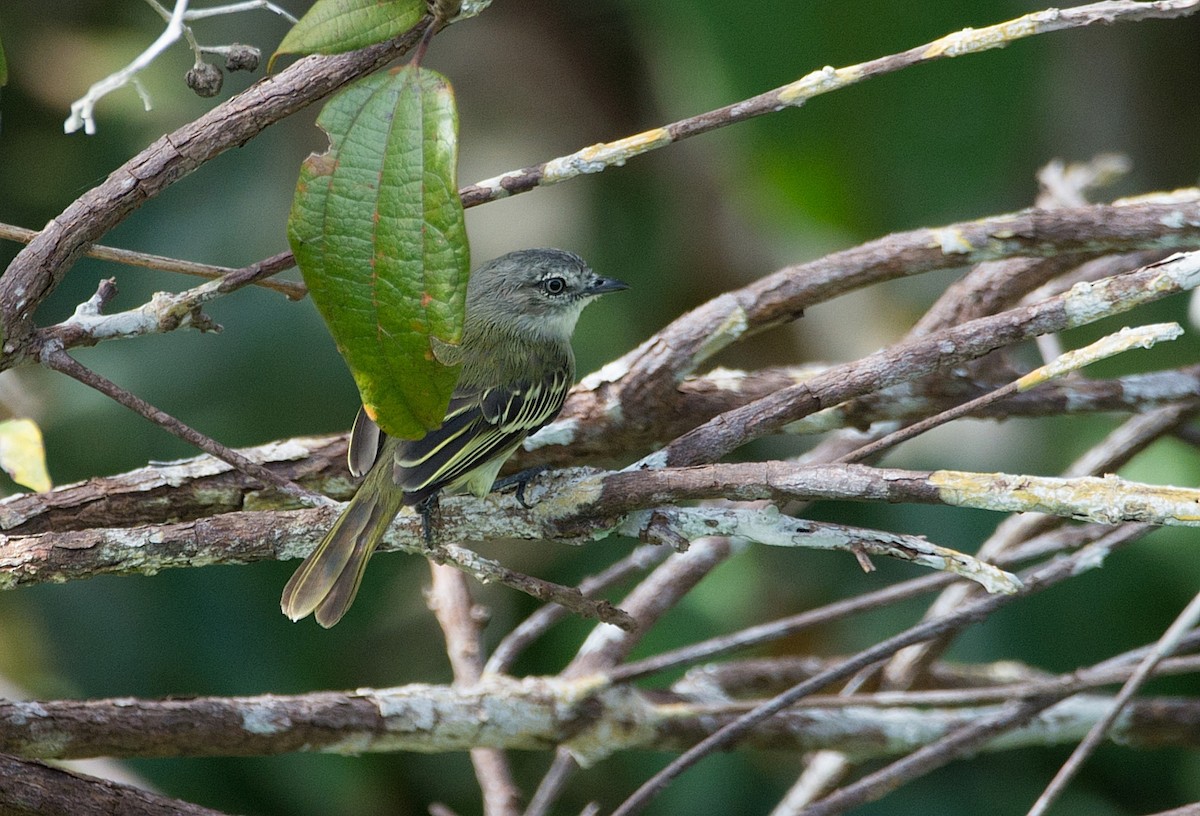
292 290
34 789
593 719
640 387
902 362
568 508
166 311
600 157
186 489
40 266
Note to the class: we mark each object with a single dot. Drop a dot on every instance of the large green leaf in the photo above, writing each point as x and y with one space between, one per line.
377 230
333 26
3 67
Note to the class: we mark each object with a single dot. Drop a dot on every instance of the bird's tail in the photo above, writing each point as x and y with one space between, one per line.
328 580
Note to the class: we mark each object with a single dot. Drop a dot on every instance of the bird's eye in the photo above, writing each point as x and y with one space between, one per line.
554 286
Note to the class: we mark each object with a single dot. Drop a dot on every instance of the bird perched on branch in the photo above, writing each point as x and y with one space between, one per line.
517 367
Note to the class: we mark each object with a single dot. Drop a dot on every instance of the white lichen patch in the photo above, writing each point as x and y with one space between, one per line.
951 241
820 81
610 373
264 719
23 713
560 432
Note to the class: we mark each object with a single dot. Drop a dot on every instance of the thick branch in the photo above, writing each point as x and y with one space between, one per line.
594 720
906 361
639 388
34 789
567 506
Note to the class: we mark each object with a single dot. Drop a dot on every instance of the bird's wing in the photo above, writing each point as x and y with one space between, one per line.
366 440
478 427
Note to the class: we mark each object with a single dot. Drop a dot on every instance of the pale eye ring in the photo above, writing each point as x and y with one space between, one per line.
554 286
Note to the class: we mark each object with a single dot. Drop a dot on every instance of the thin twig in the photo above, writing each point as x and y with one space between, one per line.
529 630
1125 339
1036 581
62 362
599 157
293 290
1166 644
462 623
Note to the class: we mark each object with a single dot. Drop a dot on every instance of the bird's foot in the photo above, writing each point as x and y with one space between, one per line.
521 479
428 508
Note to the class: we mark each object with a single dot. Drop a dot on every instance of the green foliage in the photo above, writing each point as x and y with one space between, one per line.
333 26
378 232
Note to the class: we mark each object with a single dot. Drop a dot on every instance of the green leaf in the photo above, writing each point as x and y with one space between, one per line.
22 455
3 67
334 26
378 232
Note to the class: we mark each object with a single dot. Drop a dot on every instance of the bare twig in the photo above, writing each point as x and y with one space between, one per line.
530 629
59 360
462 624
1167 644
1036 581
82 109
291 289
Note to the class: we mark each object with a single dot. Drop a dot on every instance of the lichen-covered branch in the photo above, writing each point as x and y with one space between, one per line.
590 717
579 505
600 157
1082 304
635 391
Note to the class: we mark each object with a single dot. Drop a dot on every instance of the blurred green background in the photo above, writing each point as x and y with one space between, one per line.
944 142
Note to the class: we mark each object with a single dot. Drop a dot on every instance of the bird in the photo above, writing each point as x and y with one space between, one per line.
517 366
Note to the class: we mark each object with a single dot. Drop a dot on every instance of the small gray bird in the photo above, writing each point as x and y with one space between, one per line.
517 367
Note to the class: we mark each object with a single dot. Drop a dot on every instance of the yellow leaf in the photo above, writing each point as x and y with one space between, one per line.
22 455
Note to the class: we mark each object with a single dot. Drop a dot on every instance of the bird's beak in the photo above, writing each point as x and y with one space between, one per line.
601 285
